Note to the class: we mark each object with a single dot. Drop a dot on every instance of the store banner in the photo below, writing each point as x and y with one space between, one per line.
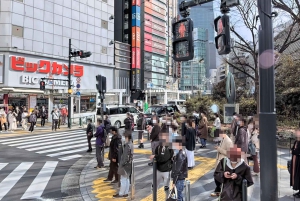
136 16
136 2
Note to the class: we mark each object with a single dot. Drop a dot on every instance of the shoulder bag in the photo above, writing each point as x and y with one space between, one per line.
172 195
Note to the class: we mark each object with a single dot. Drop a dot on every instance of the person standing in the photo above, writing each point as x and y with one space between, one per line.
107 126
217 126
89 134
18 116
231 172
113 155
154 129
241 139
141 127
222 152
295 165
3 120
100 142
12 120
190 138
254 140
180 166
203 130
32 120
128 125
55 117
125 168
24 119
44 114
64 115
234 126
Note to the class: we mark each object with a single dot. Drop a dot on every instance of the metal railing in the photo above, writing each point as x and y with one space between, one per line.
82 120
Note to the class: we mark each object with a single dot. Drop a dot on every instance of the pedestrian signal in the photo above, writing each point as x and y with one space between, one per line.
222 27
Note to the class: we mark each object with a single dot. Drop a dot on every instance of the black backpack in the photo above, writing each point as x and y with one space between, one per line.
167 157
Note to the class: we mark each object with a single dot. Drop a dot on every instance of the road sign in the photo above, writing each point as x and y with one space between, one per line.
149 85
78 85
78 93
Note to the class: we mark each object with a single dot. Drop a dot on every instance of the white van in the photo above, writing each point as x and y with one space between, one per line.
117 113
177 102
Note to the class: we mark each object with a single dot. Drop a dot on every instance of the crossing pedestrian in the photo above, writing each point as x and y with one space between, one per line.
128 125
242 138
203 130
231 172
32 120
89 134
24 119
44 114
55 117
222 152
154 129
3 120
190 138
113 155
11 116
100 142
125 168
180 166
141 127
18 116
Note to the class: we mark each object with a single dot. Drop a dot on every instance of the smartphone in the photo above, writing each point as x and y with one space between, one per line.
228 174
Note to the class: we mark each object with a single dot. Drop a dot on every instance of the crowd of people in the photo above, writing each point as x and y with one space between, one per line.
20 117
173 143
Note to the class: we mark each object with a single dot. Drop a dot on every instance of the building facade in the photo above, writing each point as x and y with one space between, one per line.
34 44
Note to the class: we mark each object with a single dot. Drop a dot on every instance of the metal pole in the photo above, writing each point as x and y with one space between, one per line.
192 79
102 109
154 189
132 181
119 159
69 86
244 190
150 98
267 115
187 190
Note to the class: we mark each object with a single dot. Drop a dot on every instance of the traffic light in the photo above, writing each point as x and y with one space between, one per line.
42 85
80 54
222 40
101 86
183 44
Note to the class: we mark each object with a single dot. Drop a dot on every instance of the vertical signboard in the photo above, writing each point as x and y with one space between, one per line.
136 45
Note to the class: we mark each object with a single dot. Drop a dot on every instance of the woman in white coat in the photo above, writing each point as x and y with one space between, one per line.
12 120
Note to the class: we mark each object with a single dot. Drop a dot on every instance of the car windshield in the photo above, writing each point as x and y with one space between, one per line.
157 110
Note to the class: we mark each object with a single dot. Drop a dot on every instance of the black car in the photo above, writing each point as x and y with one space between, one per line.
160 111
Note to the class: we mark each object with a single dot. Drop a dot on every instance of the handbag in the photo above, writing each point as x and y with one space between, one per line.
173 195
224 162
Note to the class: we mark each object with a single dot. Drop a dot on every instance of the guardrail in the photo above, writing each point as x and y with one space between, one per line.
82 120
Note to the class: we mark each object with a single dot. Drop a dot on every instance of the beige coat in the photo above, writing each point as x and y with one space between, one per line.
224 147
3 118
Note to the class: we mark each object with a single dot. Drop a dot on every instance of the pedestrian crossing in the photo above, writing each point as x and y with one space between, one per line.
32 189
65 145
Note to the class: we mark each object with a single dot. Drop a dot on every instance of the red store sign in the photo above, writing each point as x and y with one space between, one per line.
45 67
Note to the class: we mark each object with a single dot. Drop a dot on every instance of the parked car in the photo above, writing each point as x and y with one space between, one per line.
177 102
160 111
117 113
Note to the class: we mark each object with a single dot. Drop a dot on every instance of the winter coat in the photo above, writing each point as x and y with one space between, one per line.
154 135
90 129
164 155
255 140
180 167
32 118
140 123
125 166
203 128
232 189
223 149
99 135
18 115
190 139
128 126
44 113
116 140
107 125
3 118
241 139
295 166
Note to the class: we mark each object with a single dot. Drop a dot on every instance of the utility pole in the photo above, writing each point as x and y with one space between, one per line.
69 86
267 114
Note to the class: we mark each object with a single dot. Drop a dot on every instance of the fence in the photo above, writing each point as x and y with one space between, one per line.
82 120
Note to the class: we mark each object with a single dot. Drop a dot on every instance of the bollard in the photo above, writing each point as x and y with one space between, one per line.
80 122
244 190
187 190
154 188
119 159
132 181
148 135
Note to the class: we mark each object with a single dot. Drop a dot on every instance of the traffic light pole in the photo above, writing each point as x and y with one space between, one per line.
69 86
267 114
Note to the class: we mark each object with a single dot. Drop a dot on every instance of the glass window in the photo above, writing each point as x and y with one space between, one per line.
133 110
113 111
123 110
170 109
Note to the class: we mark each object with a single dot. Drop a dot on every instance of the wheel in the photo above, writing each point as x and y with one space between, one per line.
118 124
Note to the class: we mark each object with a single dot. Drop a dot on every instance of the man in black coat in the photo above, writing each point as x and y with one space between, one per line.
154 129
89 134
113 155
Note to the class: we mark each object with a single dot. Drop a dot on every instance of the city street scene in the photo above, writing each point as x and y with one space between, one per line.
149 100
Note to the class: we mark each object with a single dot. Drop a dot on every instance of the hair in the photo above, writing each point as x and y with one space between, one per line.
129 137
203 112
185 116
113 128
234 114
99 121
89 120
216 114
190 122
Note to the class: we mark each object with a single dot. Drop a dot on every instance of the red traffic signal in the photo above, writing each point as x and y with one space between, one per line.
222 27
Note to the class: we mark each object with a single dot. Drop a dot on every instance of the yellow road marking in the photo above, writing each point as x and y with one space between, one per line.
282 167
193 175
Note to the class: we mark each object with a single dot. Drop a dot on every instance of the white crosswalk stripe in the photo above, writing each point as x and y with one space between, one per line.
36 185
66 145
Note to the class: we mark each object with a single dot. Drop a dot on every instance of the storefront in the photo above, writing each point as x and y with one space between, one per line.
20 76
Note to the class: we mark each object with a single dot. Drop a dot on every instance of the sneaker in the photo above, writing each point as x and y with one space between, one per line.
107 180
215 194
255 173
117 196
150 164
115 182
125 196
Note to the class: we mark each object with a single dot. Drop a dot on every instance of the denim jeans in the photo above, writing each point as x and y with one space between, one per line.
203 141
180 187
124 189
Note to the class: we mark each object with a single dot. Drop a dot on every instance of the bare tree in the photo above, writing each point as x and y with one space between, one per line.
247 20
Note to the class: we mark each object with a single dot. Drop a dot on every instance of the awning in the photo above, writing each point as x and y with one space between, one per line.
25 91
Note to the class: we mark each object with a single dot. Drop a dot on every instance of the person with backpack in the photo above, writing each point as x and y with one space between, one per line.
32 120
125 168
89 134
163 155
100 140
128 125
113 156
